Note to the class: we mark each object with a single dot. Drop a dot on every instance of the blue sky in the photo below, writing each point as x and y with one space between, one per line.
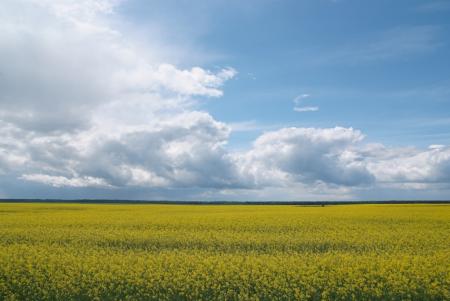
226 100
379 66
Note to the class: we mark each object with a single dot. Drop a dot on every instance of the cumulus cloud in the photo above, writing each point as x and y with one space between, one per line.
308 155
410 165
83 107
187 150
59 181
71 60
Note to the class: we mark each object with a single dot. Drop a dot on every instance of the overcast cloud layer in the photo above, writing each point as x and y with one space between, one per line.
86 111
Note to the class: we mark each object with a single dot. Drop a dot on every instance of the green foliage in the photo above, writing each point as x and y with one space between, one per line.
187 252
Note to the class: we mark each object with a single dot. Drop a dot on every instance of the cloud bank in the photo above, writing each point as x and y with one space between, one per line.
85 108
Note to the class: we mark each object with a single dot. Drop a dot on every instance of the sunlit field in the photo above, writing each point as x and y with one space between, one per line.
224 252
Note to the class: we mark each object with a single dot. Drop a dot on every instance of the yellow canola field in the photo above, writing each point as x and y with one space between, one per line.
224 252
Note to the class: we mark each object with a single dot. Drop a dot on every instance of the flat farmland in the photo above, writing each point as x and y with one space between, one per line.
61 251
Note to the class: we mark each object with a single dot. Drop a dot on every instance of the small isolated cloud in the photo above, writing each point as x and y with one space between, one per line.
306 109
298 101
300 98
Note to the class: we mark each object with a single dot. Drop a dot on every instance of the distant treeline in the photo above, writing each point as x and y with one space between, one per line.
306 203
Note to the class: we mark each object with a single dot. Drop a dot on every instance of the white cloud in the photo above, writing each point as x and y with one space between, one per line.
298 101
306 109
436 146
183 150
410 165
306 155
251 126
60 181
84 107
71 60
